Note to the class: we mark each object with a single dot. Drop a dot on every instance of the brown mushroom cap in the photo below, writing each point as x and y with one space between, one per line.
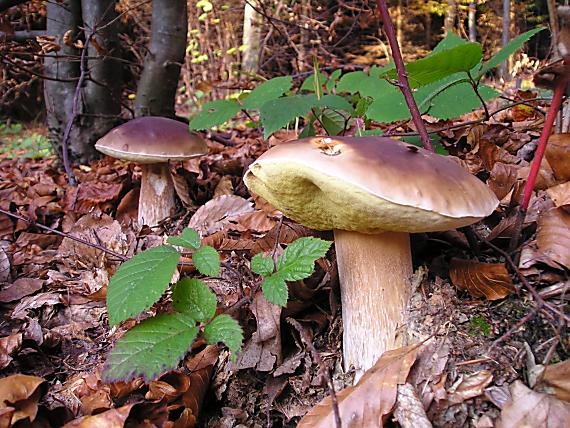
369 184
152 139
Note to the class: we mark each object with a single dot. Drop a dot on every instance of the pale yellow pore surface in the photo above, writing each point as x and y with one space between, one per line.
368 185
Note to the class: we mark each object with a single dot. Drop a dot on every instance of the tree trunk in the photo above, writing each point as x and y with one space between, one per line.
506 35
427 29
399 23
251 37
156 92
472 21
62 74
102 94
450 16
553 19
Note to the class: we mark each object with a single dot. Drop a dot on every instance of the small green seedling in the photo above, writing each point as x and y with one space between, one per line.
158 343
478 325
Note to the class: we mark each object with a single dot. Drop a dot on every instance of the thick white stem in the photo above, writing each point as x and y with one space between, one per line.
375 282
157 200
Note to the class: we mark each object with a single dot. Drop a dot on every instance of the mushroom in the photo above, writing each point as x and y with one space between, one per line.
372 192
152 142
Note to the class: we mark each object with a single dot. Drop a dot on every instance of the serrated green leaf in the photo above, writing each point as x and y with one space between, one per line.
442 64
139 282
153 347
215 113
207 260
189 238
365 84
298 260
450 41
224 329
275 289
335 102
333 79
276 114
268 90
458 100
309 83
508 50
193 297
388 108
333 122
262 265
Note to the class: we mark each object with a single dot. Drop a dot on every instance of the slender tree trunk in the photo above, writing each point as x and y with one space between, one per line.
450 16
156 92
102 93
251 37
506 35
553 19
399 23
62 74
472 21
427 29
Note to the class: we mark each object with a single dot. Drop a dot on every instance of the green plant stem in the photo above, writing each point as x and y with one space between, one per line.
402 76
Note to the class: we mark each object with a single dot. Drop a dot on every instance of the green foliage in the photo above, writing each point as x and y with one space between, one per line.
15 144
215 113
478 325
159 343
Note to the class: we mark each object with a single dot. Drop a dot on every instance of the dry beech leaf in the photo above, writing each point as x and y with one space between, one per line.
8 346
533 409
556 380
502 179
558 155
215 214
21 288
553 236
369 403
560 194
22 392
113 418
489 280
470 386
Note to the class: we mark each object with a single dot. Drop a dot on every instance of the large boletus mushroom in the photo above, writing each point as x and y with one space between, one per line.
153 142
372 192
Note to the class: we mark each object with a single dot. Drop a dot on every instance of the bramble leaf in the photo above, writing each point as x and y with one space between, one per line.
275 289
189 238
154 346
193 297
298 260
207 260
268 90
262 265
224 329
276 114
215 113
139 282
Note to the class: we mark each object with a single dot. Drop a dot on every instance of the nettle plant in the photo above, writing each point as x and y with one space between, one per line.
158 343
446 84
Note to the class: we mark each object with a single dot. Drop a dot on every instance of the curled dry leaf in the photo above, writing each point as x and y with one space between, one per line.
560 194
489 280
22 393
8 346
215 214
558 155
533 409
502 179
369 403
113 418
470 386
553 236
556 380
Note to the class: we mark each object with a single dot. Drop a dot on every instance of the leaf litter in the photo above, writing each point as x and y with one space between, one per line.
468 371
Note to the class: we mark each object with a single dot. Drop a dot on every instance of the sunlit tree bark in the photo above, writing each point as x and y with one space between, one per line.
251 37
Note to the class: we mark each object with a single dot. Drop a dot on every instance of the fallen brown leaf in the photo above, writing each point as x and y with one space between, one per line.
533 409
558 155
215 214
8 346
369 403
553 236
20 288
470 386
489 280
556 380
113 418
560 194
22 392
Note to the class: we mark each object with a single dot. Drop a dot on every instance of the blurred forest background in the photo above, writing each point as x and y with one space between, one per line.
226 47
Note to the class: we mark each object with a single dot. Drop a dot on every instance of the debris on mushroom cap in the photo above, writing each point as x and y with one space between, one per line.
369 184
152 139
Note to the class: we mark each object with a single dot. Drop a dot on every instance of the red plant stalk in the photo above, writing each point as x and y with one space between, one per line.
402 76
538 155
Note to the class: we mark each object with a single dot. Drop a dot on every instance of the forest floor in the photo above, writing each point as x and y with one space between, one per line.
494 334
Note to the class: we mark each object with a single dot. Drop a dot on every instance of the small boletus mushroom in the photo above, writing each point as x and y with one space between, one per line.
372 192
152 142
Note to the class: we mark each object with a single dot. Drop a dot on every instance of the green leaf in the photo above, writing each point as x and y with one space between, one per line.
139 282
215 113
333 79
153 347
309 83
388 108
207 260
333 122
335 102
275 289
308 131
262 265
193 297
189 238
450 41
298 260
364 84
508 50
459 99
276 114
442 64
224 329
435 141
269 90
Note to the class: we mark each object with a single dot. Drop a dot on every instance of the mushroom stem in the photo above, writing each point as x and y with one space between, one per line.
375 282
157 200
